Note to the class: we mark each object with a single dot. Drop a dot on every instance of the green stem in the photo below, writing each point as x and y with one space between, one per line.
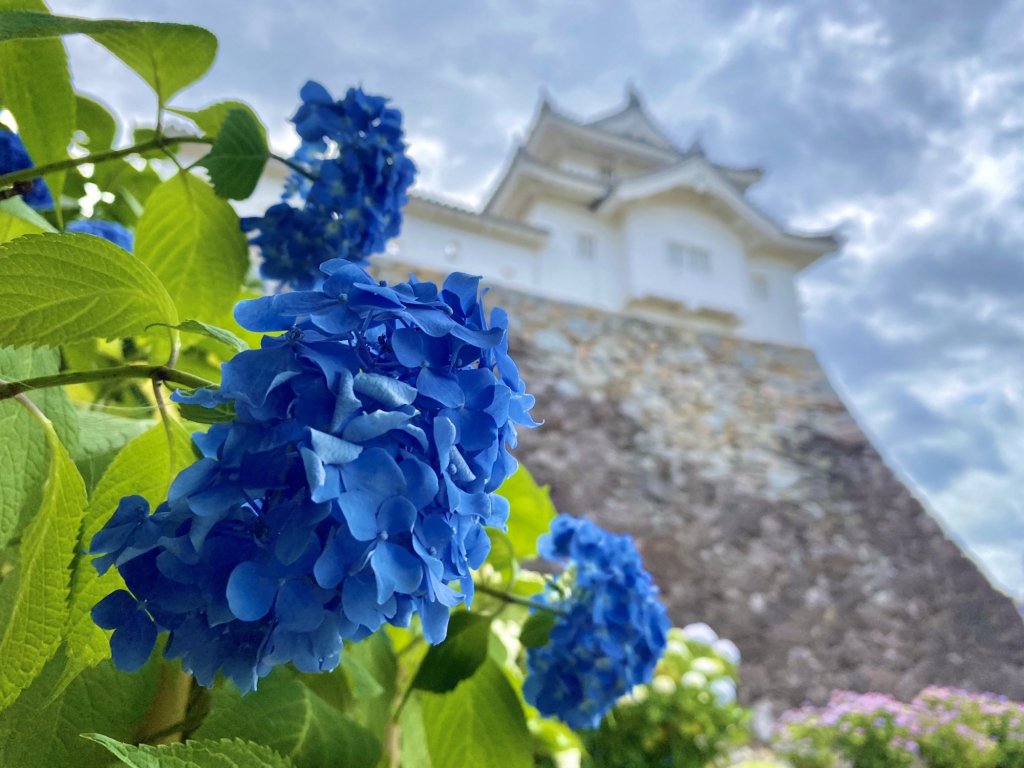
516 599
130 371
172 714
8 181
159 142
294 166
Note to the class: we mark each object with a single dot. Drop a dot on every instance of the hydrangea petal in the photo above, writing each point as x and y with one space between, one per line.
396 570
114 610
396 515
367 426
298 608
386 390
251 591
360 511
443 388
132 642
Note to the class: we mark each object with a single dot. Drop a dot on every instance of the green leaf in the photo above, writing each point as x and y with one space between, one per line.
61 288
225 753
222 335
23 458
349 683
531 511
236 160
193 242
23 451
210 118
285 715
376 657
502 557
35 85
145 466
537 629
332 687
17 219
38 731
458 657
35 625
167 56
96 123
478 725
413 746
227 321
200 414
102 435
361 678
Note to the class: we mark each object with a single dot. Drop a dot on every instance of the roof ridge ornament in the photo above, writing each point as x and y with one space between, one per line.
544 100
633 96
697 145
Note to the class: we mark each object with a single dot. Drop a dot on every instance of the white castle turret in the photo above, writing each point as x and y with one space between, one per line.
610 213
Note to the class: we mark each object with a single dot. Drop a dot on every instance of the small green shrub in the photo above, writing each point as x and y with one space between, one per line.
687 717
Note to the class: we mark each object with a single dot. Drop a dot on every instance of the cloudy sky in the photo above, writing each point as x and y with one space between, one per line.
900 123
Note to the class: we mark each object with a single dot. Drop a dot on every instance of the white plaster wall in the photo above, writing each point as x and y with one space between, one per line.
562 272
774 318
649 227
425 242
629 261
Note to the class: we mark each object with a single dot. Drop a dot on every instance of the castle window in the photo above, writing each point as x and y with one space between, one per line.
688 257
586 248
759 286
675 255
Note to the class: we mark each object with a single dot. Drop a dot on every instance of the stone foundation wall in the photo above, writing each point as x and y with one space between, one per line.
759 506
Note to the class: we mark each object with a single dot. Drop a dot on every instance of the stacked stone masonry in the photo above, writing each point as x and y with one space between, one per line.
759 506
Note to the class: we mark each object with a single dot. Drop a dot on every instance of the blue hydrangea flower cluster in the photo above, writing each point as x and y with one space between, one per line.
610 631
351 488
14 157
116 233
355 150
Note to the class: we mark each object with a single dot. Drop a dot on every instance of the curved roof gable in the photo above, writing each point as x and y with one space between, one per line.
525 172
631 132
551 121
634 122
697 173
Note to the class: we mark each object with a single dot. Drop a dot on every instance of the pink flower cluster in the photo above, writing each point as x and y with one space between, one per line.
941 726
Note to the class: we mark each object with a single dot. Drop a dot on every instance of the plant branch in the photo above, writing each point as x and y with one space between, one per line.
18 188
294 166
158 142
27 404
517 600
165 415
130 371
